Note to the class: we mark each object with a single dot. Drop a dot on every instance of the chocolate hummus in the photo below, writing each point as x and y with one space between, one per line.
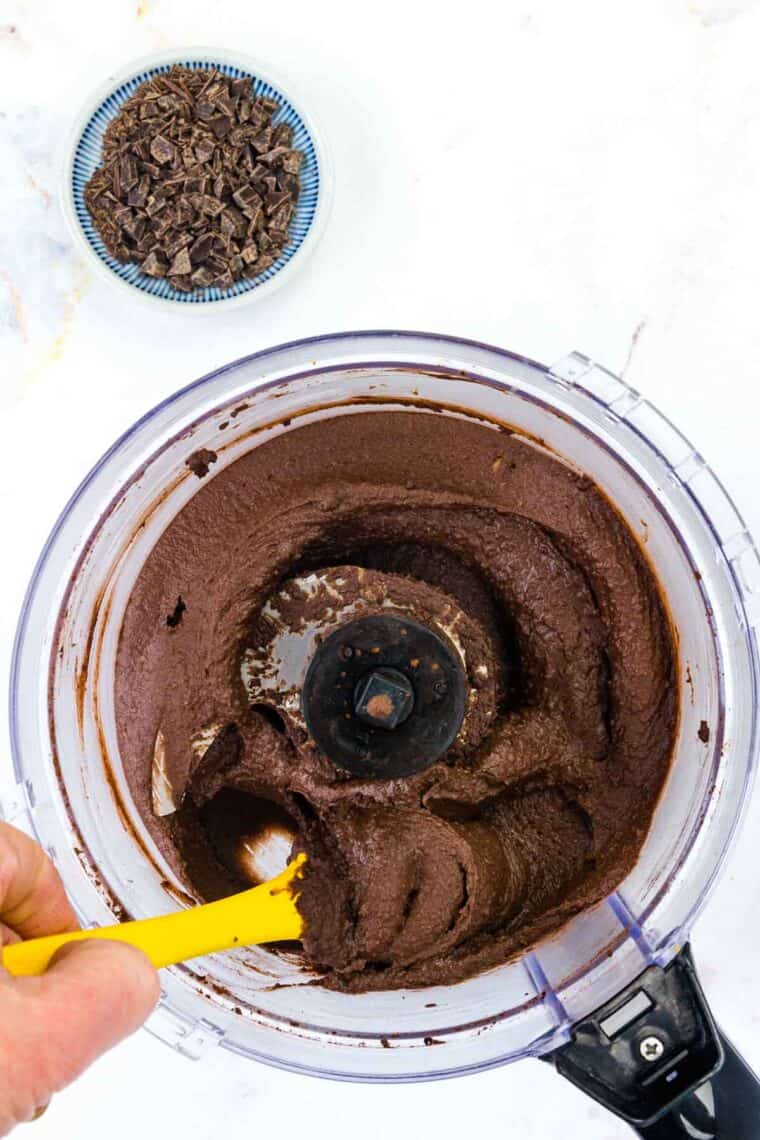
539 806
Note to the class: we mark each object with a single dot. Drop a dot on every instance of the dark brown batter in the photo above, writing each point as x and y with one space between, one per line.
540 806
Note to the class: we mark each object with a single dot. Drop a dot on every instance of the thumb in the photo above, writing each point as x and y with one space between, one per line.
94 994
52 1027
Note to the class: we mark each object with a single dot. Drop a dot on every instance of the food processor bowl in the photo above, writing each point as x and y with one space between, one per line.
71 790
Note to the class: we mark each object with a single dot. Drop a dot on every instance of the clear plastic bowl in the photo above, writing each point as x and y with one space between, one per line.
71 790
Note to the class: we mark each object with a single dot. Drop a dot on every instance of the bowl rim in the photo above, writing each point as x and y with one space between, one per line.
197 53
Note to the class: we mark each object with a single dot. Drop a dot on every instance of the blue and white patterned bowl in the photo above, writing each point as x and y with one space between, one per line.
84 156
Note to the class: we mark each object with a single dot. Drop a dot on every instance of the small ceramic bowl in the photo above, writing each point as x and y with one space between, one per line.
83 156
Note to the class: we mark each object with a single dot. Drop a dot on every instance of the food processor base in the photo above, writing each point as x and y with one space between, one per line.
726 1106
654 1056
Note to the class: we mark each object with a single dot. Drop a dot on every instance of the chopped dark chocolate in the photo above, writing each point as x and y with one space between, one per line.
197 183
274 201
202 276
282 135
155 264
221 125
204 149
201 247
248 200
161 149
291 162
263 141
181 266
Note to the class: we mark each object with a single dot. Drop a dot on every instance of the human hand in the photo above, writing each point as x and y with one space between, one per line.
94 993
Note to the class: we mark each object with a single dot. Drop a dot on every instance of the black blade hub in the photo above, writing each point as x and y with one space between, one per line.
384 697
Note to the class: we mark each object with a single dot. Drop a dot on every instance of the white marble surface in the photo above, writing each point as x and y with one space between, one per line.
621 139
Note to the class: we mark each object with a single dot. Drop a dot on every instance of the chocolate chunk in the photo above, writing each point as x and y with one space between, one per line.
154 205
168 102
274 201
225 104
214 88
224 279
282 135
176 240
221 125
162 224
274 156
232 222
248 200
292 161
128 171
136 226
258 114
122 215
184 212
205 110
202 276
239 136
249 253
211 206
155 264
280 218
201 248
162 150
263 141
204 149
289 182
181 265
195 185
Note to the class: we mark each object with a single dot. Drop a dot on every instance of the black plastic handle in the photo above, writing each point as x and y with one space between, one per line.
654 1056
727 1107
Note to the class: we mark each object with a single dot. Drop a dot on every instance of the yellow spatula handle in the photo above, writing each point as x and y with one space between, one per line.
266 913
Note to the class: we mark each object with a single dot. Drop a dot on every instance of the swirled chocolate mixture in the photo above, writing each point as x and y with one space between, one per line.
542 802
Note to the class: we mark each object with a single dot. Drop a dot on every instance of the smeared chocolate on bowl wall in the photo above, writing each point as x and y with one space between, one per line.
198 184
540 806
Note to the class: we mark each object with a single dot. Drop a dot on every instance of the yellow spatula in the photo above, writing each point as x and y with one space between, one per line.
266 913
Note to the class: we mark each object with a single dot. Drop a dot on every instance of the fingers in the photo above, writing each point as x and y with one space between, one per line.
32 899
8 936
93 995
